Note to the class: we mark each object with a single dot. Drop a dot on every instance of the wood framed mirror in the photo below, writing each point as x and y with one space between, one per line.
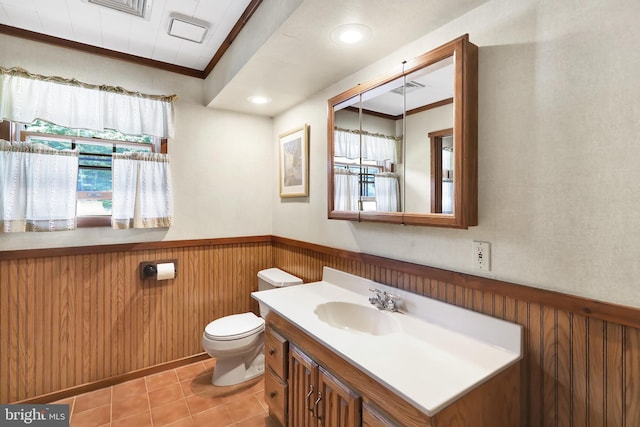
389 146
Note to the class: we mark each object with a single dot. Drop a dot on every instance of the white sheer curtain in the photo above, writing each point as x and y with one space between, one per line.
25 97
142 196
345 190
346 144
379 148
37 187
387 192
374 147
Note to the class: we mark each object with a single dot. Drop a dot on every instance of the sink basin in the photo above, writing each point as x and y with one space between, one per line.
357 318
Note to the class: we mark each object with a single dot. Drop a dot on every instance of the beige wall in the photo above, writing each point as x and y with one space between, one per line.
218 159
558 173
559 169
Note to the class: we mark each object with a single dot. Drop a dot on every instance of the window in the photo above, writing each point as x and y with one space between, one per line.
94 173
366 179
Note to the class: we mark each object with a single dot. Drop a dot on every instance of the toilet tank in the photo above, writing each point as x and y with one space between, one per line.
273 278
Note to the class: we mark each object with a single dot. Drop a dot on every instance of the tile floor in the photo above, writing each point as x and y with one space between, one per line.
177 397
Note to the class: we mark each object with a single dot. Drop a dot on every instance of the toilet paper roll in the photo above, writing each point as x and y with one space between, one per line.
166 271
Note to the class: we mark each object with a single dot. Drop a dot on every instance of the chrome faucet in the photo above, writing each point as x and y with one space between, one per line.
383 300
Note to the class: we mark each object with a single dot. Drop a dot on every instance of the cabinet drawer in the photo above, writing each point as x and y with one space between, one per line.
275 352
275 394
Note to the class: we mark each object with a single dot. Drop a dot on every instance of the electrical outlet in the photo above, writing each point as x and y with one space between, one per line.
482 255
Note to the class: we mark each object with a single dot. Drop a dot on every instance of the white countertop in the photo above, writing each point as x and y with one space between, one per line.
439 353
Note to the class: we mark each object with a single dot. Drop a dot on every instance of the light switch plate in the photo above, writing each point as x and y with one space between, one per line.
482 255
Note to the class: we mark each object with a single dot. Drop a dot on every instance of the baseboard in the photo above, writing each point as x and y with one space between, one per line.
108 382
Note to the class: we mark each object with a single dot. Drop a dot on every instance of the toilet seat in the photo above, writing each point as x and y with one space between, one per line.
234 327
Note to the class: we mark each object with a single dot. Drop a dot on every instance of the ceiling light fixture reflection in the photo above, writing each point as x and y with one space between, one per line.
351 33
258 99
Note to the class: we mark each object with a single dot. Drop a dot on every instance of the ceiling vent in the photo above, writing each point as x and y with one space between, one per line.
133 7
410 86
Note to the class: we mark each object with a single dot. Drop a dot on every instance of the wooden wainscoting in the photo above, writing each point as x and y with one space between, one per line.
582 357
73 316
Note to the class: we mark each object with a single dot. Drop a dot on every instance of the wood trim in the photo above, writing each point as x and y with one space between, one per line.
624 315
191 72
119 379
430 106
244 18
610 312
57 41
128 247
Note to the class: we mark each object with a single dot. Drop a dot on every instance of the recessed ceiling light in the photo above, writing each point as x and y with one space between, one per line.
258 99
351 33
187 28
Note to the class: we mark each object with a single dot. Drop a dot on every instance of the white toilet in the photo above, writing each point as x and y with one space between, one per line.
237 341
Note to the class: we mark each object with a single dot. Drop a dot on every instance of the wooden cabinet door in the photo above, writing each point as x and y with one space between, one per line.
339 405
303 385
373 417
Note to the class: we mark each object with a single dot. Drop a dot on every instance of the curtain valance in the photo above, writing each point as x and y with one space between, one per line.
376 147
25 97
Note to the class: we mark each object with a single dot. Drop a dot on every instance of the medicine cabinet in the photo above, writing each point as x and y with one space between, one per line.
403 148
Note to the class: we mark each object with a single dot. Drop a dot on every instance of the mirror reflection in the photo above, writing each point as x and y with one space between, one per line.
403 148
376 168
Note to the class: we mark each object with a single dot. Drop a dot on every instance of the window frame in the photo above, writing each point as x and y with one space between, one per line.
159 145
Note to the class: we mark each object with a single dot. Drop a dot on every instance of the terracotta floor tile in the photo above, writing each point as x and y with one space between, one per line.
201 402
181 397
127 389
241 409
92 400
191 371
209 363
68 401
92 418
257 421
160 380
260 396
198 385
185 422
133 405
167 414
142 419
241 391
216 417
165 395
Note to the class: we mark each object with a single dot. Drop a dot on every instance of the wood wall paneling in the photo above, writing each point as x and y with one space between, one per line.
68 320
580 366
70 317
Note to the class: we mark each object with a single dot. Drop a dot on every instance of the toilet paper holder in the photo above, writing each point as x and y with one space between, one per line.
149 269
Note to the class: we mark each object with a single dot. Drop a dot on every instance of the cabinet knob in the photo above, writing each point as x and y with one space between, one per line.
273 394
272 351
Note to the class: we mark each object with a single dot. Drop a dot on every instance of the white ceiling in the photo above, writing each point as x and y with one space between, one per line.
298 58
95 25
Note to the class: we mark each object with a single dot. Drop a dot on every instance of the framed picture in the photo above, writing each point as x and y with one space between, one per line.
294 162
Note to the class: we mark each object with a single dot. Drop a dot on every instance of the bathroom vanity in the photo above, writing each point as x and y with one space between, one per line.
333 359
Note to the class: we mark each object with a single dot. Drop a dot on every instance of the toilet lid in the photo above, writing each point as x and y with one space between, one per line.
234 327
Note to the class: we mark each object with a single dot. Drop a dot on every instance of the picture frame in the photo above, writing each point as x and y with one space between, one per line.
294 162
